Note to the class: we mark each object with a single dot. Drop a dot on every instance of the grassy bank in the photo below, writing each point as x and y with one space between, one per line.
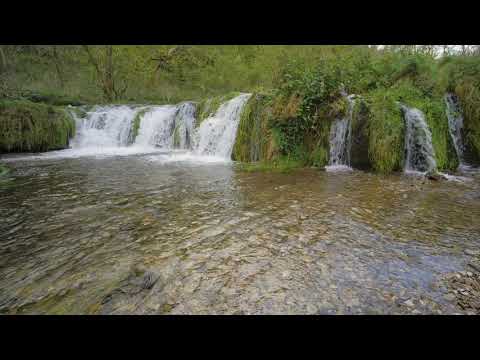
31 127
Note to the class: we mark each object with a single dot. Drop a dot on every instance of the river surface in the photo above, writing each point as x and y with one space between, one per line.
149 233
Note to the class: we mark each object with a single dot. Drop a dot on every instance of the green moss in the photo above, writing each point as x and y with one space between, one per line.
360 136
176 137
469 96
253 135
136 124
282 164
30 127
4 170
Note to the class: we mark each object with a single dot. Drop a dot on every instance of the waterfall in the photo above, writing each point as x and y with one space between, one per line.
132 129
184 126
104 126
341 138
455 125
156 127
216 135
419 153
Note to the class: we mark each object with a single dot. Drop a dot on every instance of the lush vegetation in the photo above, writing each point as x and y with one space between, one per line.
297 93
30 127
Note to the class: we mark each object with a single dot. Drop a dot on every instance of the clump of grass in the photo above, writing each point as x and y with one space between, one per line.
386 131
281 165
469 96
253 135
26 126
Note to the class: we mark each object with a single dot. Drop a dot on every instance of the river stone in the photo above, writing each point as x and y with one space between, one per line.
472 252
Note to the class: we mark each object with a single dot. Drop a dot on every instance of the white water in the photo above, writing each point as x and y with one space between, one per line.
455 126
216 135
156 127
104 127
341 140
167 131
185 125
419 153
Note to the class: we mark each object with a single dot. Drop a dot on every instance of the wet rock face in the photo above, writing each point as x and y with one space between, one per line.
360 139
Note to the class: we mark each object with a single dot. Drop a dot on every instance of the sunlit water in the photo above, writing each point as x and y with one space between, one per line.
222 241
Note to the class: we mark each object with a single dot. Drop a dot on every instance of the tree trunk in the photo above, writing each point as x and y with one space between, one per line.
105 80
57 66
3 59
109 84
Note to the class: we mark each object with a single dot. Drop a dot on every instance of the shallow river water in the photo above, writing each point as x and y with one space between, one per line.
141 235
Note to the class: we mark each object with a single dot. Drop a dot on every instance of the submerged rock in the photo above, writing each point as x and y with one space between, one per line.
135 287
435 176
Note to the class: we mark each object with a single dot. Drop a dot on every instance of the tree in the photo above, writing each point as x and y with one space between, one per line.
105 74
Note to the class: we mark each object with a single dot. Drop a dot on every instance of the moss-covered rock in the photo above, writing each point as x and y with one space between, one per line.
469 95
30 127
360 136
136 125
254 139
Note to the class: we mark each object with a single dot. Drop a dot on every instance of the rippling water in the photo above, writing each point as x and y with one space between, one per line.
152 234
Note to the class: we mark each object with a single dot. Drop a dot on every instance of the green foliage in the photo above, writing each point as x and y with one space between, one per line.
26 126
253 135
301 87
282 164
386 129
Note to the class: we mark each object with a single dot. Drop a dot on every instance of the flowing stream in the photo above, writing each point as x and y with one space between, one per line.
341 140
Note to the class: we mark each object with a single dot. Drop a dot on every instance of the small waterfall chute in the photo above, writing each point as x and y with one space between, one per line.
419 152
455 126
184 126
157 127
216 135
341 139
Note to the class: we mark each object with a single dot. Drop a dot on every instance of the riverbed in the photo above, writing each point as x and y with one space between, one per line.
156 233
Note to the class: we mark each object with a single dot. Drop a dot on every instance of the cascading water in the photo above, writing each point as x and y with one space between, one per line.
419 153
104 127
184 126
129 130
341 139
156 127
216 135
455 125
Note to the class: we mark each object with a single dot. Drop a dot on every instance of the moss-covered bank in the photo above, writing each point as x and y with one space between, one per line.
272 131
4 170
31 127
